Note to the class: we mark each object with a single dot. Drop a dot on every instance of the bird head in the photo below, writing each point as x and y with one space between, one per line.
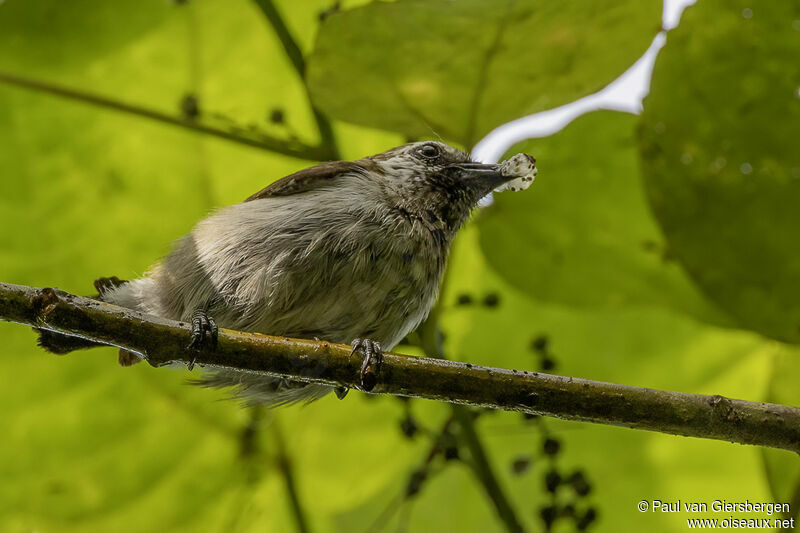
437 180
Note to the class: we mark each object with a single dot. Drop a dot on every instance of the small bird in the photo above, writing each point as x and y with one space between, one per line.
345 251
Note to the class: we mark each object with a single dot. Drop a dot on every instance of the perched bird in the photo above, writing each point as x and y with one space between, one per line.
346 251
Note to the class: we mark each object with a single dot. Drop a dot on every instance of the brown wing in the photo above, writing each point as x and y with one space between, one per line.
310 178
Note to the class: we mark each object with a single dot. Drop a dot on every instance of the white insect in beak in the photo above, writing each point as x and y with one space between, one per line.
523 167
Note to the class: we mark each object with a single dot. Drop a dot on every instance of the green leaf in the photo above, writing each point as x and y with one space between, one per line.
719 143
782 468
583 234
86 192
42 34
460 69
648 347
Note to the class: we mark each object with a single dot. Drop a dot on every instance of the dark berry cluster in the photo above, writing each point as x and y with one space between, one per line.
566 492
490 300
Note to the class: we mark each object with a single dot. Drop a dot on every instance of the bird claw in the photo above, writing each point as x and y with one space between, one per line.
371 366
204 333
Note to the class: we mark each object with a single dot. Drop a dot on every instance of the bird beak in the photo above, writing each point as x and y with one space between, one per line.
487 176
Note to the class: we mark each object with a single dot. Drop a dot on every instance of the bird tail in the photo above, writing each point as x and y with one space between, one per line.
59 343
258 389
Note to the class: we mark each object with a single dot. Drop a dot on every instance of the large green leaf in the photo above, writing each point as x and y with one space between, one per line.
42 35
583 234
719 143
782 467
88 445
460 69
647 347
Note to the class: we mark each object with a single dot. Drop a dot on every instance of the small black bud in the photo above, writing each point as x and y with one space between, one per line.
190 108
491 300
551 447
409 427
464 299
568 511
276 116
451 453
579 483
448 444
547 364
586 520
549 515
520 465
540 344
552 480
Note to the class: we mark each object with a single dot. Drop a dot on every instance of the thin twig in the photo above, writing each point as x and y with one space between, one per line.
483 469
163 341
414 484
431 338
257 140
285 466
295 55
282 32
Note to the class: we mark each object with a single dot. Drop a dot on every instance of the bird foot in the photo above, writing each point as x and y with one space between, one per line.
373 359
204 333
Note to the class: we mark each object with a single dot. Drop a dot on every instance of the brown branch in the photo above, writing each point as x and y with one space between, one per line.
163 341
295 55
286 468
483 469
431 342
292 148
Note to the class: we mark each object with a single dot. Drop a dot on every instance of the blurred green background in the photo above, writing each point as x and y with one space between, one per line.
657 250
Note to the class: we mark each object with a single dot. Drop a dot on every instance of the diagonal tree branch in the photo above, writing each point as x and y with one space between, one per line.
282 32
295 55
164 341
431 342
483 469
323 152
287 469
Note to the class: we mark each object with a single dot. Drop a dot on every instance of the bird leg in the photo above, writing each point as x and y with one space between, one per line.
373 359
204 333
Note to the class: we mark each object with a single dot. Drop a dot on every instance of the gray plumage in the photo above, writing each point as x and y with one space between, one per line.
339 251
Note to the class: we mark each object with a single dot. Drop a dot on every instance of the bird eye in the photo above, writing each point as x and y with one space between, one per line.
429 151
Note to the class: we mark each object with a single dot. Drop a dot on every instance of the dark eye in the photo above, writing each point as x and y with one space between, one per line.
429 151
